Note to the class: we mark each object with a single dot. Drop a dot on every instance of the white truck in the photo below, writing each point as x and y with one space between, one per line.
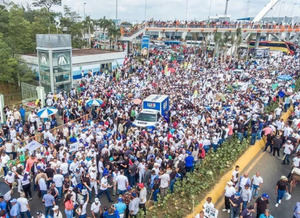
153 107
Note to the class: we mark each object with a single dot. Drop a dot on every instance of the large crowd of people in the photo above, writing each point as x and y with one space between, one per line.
102 153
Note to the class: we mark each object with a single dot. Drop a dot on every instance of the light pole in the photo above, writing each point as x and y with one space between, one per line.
226 7
84 4
116 9
145 10
186 9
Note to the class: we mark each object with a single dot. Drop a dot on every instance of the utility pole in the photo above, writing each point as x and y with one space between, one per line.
226 7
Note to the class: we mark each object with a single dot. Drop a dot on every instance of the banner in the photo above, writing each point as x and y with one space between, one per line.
33 145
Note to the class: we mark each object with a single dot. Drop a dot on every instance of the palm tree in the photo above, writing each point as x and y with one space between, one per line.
113 33
105 24
88 24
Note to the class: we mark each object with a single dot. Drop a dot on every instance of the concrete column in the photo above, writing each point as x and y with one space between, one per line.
257 39
269 37
51 71
161 35
1 109
41 95
183 35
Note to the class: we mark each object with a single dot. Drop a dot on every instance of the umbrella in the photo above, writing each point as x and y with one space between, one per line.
46 112
94 102
137 101
285 77
4 188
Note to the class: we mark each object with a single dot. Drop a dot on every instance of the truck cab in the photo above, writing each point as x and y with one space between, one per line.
147 118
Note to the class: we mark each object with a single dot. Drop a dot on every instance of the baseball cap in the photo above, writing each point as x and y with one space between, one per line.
237 194
265 195
13 200
97 200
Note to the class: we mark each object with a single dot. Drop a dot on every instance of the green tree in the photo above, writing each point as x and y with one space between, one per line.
70 24
113 33
4 20
19 32
11 70
46 3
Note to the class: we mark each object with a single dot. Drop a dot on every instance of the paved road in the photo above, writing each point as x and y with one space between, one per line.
271 169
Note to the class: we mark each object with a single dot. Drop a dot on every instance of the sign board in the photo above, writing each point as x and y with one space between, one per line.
145 42
211 212
73 147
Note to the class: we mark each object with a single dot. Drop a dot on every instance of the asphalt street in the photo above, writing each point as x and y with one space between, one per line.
271 170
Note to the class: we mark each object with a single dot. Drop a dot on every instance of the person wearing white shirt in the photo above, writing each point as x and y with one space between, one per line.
257 182
58 179
122 183
93 179
229 191
164 183
103 188
96 208
24 206
64 167
143 197
9 179
287 150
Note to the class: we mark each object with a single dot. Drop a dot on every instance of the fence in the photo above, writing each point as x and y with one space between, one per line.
11 93
28 91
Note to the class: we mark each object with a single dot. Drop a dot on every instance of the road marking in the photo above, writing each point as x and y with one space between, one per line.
247 169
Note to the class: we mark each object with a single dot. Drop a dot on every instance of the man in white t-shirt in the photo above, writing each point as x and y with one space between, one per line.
122 183
229 191
24 206
96 208
103 188
287 150
256 182
296 160
164 183
64 167
9 178
58 179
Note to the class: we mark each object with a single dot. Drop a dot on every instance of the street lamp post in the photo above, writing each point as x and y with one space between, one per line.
145 10
116 9
84 4
187 10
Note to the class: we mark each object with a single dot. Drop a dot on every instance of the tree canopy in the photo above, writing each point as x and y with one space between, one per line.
19 26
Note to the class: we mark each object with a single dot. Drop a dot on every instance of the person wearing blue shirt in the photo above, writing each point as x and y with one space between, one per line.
15 209
120 207
189 162
111 213
266 214
49 202
22 112
2 204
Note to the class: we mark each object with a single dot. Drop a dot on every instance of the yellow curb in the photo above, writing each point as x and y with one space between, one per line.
218 190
